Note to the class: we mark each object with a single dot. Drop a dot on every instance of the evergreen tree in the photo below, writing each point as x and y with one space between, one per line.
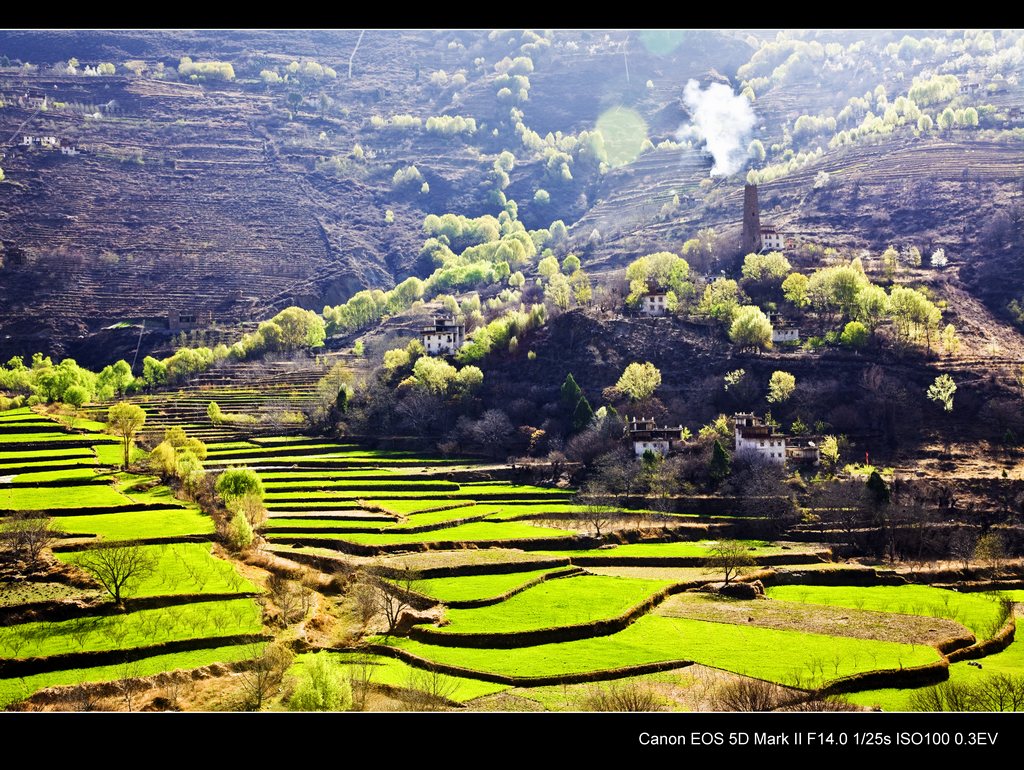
571 392
720 462
878 488
575 404
582 415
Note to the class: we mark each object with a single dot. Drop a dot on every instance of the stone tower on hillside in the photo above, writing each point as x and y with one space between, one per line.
751 220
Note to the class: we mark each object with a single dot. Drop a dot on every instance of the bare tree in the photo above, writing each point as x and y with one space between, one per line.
749 695
290 596
263 674
622 696
129 685
990 548
395 596
118 568
26 534
961 546
361 671
729 557
429 689
598 512
365 598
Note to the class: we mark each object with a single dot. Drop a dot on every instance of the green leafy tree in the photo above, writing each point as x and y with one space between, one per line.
829 451
762 268
323 686
721 300
214 413
780 387
548 267
639 381
872 305
751 328
240 534
794 289
663 271
942 390
855 335
125 420
950 340
236 482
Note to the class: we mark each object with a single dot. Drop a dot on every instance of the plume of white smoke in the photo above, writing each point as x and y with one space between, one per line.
723 120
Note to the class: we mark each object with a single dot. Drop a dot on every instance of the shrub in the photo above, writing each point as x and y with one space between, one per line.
323 686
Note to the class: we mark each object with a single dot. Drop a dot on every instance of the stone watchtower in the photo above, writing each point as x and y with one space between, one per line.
751 220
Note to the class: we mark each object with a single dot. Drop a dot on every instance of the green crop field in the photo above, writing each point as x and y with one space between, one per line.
184 568
138 525
136 629
468 532
560 602
978 612
370 485
13 690
40 455
109 454
1010 661
406 507
787 657
396 673
43 498
475 586
699 549
75 473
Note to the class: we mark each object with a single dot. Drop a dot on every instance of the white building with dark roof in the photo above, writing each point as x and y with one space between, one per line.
654 303
752 433
444 336
772 239
647 437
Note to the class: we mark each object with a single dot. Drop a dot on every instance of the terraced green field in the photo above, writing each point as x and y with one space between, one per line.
1010 662
786 657
309 481
561 602
138 525
669 550
14 690
184 568
136 629
464 532
43 498
978 612
473 587
382 670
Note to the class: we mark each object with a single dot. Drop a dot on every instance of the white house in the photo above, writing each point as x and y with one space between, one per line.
26 141
69 151
443 336
772 239
49 141
654 303
783 333
753 434
646 437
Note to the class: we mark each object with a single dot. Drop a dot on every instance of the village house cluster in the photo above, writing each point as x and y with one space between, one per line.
750 432
50 143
